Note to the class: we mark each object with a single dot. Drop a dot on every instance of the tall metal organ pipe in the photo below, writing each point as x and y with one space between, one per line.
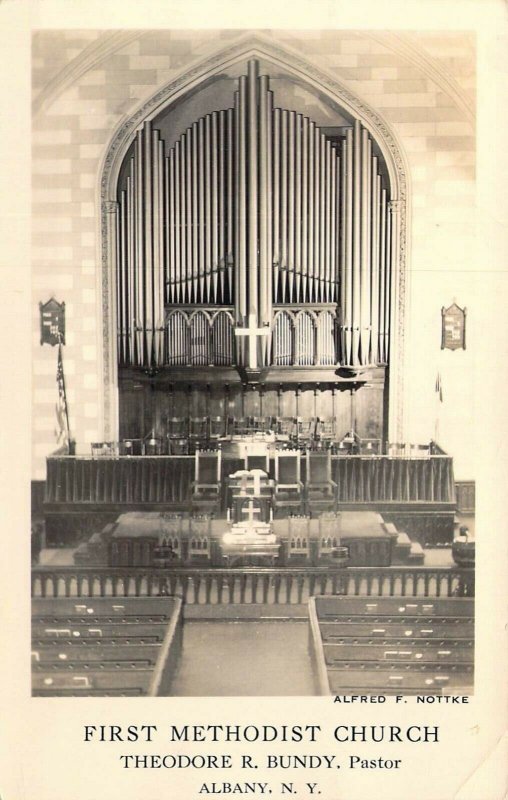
255 207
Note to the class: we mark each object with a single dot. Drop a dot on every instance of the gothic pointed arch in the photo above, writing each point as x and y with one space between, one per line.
383 146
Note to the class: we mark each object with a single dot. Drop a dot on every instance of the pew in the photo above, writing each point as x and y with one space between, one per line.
392 645
104 646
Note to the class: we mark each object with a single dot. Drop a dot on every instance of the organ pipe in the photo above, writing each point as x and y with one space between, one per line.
229 249
311 226
357 223
382 276
242 216
298 207
328 214
291 205
276 202
221 199
284 201
305 206
317 216
269 211
253 207
122 291
195 211
215 210
252 191
208 209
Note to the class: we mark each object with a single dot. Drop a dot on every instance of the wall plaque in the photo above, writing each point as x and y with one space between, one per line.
52 322
453 328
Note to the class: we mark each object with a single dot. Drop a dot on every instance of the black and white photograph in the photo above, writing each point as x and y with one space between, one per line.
254 372
252 258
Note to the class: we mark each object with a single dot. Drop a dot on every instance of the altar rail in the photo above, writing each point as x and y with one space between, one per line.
167 480
251 585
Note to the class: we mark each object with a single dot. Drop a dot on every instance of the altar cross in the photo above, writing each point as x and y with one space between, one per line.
251 510
252 332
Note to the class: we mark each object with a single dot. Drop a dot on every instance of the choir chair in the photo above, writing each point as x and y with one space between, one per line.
306 432
103 449
349 444
206 486
126 447
396 449
217 428
152 446
286 429
326 431
370 447
270 424
419 450
198 432
288 495
178 435
241 426
257 424
321 490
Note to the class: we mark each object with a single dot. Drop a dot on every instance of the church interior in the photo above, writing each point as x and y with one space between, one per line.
253 359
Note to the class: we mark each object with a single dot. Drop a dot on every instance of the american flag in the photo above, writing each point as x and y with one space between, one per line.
439 387
62 413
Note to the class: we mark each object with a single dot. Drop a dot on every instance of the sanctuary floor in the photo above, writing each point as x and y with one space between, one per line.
244 658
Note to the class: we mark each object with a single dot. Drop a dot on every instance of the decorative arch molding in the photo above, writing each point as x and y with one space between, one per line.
345 100
408 49
90 57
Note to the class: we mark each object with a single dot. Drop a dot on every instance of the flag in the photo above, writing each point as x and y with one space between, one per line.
439 387
62 413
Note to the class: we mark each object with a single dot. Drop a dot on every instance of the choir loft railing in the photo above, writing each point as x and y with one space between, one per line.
251 585
167 480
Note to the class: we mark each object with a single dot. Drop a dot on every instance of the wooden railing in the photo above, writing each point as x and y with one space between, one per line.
251 585
139 480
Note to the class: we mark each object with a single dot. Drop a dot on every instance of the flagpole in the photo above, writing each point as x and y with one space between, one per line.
64 389
438 388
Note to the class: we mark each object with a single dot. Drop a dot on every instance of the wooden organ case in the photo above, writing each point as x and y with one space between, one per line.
254 268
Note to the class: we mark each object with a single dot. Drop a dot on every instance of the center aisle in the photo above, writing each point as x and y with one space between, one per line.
244 658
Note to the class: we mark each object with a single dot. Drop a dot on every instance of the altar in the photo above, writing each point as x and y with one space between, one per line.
250 541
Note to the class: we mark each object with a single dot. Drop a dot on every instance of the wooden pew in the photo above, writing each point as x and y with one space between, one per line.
104 646
392 645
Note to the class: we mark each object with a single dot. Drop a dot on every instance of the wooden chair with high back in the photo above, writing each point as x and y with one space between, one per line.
321 490
206 488
288 494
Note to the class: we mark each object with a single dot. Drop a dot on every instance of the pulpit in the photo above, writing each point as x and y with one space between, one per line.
245 486
250 541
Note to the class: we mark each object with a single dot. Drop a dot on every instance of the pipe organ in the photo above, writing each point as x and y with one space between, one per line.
257 240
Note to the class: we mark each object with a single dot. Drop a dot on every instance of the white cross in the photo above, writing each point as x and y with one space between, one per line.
251 331
251 511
